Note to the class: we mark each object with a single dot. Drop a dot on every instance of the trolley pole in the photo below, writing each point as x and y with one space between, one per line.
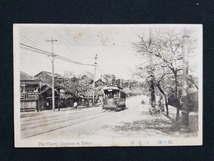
95 65
52 61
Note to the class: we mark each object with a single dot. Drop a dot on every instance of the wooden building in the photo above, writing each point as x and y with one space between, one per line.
45 98
29 92
45 94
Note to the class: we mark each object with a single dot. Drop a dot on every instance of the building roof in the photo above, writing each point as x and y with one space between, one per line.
47 88
99 80
97 83
112 88
50 74
25 76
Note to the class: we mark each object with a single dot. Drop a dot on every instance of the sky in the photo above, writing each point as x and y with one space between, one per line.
111 43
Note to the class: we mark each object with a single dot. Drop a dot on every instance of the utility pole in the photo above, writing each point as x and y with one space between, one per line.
95 66
185 109
52 61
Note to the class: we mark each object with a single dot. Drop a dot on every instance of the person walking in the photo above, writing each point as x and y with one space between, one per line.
75 105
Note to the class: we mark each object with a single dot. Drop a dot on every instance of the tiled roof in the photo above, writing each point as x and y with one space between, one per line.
25 76
50 74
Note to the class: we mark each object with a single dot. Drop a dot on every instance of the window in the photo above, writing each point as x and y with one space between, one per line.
111 93
122 95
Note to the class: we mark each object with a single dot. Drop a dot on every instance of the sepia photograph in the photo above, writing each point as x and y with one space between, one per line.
87 85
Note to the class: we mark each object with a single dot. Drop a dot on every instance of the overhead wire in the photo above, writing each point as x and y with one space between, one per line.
24 37
28 47
35 51
67 43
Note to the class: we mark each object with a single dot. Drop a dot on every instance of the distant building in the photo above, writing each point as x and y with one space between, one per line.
99 82
68 99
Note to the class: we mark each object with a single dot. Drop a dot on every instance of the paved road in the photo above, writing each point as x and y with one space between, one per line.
135 121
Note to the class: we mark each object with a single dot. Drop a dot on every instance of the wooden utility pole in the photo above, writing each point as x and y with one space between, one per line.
52 61
185 109
95 66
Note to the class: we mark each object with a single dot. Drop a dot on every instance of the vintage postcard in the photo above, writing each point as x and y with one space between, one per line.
94 85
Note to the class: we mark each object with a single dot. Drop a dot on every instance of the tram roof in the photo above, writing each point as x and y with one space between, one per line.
112 88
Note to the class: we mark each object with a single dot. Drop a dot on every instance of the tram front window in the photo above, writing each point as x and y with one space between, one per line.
111 94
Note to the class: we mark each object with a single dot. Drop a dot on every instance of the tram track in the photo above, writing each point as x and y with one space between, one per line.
45 118
59 119
35 131
51 114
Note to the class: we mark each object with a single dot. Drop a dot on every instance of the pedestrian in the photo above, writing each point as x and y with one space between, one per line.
38 108
47 105
59 104
75 105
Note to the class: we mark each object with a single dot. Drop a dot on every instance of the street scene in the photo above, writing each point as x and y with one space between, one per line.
134 122
107 85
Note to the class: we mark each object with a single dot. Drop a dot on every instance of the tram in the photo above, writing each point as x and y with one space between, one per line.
114 98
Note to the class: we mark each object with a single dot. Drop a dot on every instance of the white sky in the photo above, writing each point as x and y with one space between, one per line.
111 43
